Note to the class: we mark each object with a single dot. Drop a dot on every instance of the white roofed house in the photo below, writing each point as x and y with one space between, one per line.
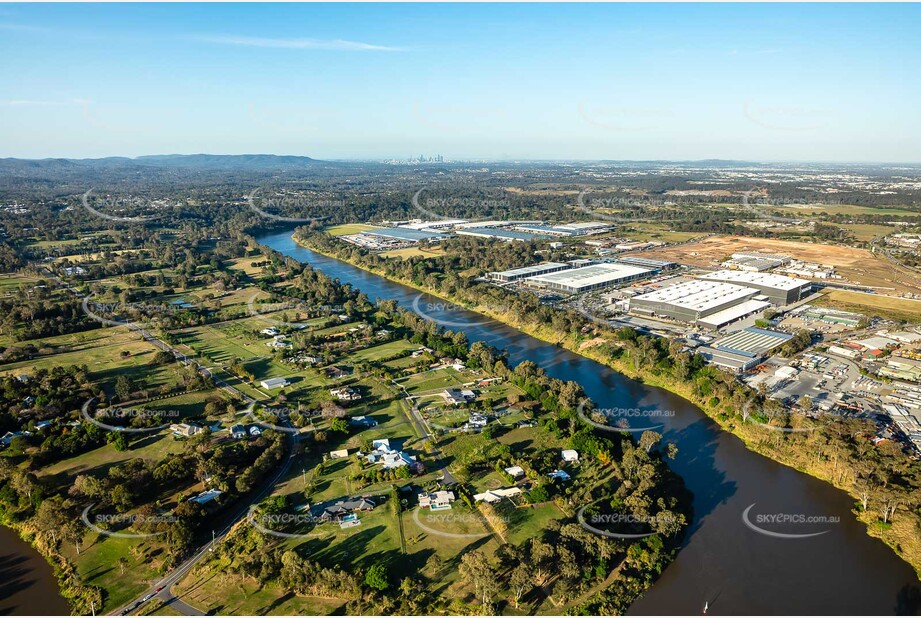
515 471
453 396
273 383
437 501
496 495
570 455
345 393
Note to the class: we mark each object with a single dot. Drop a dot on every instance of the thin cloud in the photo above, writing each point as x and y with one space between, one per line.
319 44
35 103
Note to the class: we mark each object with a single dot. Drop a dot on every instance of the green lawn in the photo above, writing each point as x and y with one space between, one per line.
152 447
383 350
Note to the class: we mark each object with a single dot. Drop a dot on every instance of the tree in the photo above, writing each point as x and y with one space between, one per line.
339 425
376 577
521 580
124 386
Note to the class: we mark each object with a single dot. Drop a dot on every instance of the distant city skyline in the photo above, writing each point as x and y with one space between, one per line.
685 82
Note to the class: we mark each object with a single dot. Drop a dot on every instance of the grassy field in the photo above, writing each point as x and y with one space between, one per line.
98 565
383 350
349 228
902 309
152 447
446 377
646 232
865 231
842 209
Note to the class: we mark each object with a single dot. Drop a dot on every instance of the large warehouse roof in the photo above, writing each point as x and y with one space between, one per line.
500 233
588 276
403 233
768 280
530 270
698 295
752 341
733 313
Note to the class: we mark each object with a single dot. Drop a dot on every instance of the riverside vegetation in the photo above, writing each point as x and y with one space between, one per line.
883 480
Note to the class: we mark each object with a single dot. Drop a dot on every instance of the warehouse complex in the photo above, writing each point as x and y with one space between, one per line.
500 233
405 234
589 278
780 290
744 349
691 301
507 276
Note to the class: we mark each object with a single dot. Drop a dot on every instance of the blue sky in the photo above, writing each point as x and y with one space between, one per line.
514 81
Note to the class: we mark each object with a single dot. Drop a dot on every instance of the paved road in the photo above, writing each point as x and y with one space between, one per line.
163 588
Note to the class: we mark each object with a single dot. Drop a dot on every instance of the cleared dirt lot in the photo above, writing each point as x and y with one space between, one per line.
856 265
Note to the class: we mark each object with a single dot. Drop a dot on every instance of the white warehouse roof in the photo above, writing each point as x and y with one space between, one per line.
752 278
698 295
588 276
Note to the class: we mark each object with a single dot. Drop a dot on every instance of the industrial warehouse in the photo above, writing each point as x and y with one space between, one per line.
780 290
695 301
590 277
743 349
507 276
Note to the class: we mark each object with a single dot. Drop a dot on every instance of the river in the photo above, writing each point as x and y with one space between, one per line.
27 582
725 561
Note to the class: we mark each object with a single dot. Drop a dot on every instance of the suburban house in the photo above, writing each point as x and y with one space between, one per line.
345 393
271 331
570 455
185 429
42 425
279 342
9 436
362 421
391 459
340 454
438 501
477 421
453 396
206 496
343 508
238 432
255 430
496 495
515 472
274 383
560 474
337 372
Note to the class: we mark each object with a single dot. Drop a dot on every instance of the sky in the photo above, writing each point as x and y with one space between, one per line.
759 82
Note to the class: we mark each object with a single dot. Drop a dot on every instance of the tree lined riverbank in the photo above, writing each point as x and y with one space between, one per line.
882 482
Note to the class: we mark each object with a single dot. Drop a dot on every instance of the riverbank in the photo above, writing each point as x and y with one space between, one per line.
792 450
60 576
